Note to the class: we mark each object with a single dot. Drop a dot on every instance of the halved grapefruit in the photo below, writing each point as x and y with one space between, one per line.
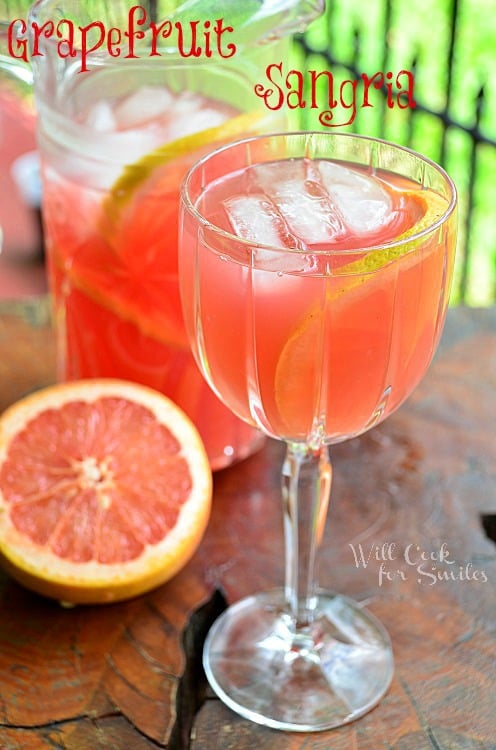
105 490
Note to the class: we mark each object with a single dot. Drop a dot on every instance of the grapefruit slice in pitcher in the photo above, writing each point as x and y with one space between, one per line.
128 264
105 490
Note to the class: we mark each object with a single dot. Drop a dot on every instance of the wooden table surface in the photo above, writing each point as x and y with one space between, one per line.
421 485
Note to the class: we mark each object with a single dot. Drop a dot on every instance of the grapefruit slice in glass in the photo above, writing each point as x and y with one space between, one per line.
296 399
105 490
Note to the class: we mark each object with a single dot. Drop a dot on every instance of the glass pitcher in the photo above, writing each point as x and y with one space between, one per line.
127 96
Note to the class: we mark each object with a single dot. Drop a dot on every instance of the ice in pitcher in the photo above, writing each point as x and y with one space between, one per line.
158 110
132 126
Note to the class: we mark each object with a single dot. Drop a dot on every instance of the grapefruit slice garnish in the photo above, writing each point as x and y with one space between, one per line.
105 490
296 401
430 207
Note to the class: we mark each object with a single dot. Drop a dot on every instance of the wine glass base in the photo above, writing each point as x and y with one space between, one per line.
322 676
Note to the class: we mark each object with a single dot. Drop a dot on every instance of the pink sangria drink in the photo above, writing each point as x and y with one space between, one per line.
371 318
315 271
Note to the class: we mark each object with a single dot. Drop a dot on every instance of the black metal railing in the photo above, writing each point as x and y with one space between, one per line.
466 146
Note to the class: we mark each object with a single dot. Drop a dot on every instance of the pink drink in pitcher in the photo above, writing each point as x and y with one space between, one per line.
112 251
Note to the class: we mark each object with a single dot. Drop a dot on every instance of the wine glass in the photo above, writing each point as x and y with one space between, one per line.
315 271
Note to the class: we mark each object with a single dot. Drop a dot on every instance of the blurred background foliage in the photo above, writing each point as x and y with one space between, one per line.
450 46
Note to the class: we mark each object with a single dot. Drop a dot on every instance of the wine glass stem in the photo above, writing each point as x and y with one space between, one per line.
306 487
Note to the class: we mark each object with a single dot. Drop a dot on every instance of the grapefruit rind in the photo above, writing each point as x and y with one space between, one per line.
135 175
434 206
92 582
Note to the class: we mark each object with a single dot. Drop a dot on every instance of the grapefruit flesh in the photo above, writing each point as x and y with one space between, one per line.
105 490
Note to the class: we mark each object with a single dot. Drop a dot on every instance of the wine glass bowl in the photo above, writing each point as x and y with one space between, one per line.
315 271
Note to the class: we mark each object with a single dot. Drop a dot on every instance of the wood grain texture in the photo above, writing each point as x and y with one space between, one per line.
109 677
